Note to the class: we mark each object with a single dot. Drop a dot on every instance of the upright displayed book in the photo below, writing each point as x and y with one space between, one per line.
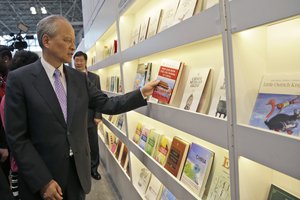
143 75
124 156
210 3
218 103
197 87
277 193
152 141
154 23
177 156
119 150
197 168
144 29
277 105
186 9
138 132
154 189
162 150
135 34
168 15
144 136
144 179
166 194
169 75
220 185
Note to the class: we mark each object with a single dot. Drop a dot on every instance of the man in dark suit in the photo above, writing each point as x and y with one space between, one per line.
80 60
45 116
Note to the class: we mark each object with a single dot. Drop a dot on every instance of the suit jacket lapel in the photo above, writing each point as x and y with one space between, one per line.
45 89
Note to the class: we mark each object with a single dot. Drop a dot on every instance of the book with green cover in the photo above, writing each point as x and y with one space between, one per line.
277 193
151 143
138 132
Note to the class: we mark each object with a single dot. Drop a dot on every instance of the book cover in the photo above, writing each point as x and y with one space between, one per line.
144 30
197 168
185 10
124 155
120 121
118 150
277 193
135 35
210 3
153 24
169 75
166 194
218 103
154 189
162 150
142 75
220 186
144 137
152 140
168 14
194 88
277 105
177 156
138 132
144 179
114 145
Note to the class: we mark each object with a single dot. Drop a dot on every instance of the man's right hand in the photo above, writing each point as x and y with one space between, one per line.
3 154
51 191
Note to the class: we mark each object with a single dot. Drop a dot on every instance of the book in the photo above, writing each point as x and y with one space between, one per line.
138 132
186 10
135 34
277 105
177 156
144 137
220 185
144 29
114 145
143 75
168 13
153 24
124 156
169 75
154 189
210 3
277 193
166 194
162 150
151 143
197 168
194 88
118 150
218 103
120 121
144 179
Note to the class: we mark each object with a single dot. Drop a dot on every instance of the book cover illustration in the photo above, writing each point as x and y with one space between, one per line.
168 15
169 75
193 89
277 105
277 193
151 144
144 137
163 149
218 103
154 189
166 194
120 122
185 10
143 75
153 24
144 179
220 186
197 168
138 132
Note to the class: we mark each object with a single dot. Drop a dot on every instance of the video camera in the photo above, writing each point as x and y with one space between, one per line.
17 40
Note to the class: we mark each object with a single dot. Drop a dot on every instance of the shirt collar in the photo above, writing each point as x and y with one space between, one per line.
49 68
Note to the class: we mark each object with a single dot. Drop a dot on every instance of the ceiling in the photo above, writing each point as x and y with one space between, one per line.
14 11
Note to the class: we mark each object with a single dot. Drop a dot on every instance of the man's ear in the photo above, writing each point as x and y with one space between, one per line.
6 58
46 40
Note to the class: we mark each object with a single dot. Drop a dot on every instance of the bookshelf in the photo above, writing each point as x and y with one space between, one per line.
246 38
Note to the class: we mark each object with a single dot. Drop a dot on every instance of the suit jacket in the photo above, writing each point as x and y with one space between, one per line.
93 78
37 132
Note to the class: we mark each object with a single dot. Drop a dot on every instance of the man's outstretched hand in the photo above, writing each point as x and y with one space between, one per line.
148 89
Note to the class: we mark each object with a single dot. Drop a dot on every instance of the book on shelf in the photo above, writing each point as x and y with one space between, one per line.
115 45
166 194
277 105
135 34
144 179
144 29
220 185
124 156
120 122
186 9
195 97
138 131
162 150
218 103
126 163
143 75
119 150
277 193
144 136
154 189
152 141
168 14
210 3
177 156
154 23
111 139
169 75
114 145
197 168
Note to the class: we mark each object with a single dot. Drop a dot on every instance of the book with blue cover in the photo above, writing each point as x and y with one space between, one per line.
197 168
166 194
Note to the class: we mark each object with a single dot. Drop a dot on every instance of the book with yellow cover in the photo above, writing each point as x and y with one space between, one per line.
162 150
138 132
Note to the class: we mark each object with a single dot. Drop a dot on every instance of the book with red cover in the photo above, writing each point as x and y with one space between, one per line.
169 74
177 156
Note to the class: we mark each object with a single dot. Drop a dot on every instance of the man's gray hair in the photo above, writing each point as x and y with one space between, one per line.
48 26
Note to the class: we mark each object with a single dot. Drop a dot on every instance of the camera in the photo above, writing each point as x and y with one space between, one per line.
18 41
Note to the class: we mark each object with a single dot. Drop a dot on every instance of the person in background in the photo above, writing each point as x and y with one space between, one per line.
46 112
21 58
5 61
80 60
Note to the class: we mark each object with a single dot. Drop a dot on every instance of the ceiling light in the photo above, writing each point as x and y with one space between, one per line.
33 10
44 11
